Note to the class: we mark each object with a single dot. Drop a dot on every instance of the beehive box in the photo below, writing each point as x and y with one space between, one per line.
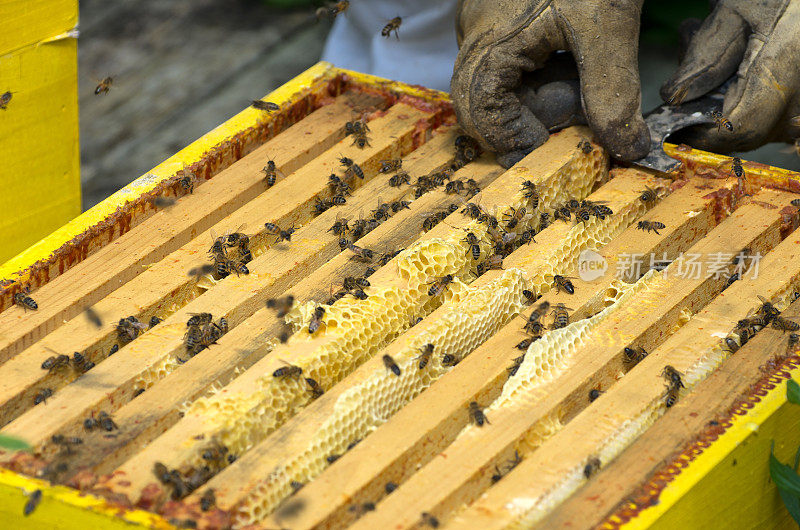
394 439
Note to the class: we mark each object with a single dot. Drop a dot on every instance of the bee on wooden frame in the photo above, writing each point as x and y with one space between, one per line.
24 300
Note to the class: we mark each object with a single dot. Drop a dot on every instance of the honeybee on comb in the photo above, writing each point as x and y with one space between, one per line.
287 371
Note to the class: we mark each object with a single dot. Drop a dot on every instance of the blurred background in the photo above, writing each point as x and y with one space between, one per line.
182 67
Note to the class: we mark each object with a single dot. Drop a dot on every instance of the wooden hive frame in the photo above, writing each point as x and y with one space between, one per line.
130 254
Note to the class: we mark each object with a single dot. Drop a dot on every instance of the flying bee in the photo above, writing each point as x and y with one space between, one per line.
592 466
425 355
540 311
5 99
560 316
632 356
476 414
394 164
25 301
339 7
648 196
721 121
33 501
66 442
264 105
438 286
399 178
474 245
42 395
201 271
208 500
650 226
585 146
563 283
389 363
672 376
514 216
454 186
314 387
784 325
340 226
316 320
290 370
270 173
736 168
282 306
393 25
362 254
103 86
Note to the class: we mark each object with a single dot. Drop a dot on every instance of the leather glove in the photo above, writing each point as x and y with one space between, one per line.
759 41
500 40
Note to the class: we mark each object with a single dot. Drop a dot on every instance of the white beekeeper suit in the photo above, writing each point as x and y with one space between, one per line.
424 54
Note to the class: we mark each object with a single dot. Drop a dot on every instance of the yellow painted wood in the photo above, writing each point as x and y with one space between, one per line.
64 508
728 485
40 175
26 22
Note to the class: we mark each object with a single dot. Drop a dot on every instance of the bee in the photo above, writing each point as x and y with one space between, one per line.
514 217
351 283
544 220
281 305
339 7
795 203
396 206
527 237
193 338
450 360
187 181
679 95
264 105
583 215
80 363
472 210
114 349
523 344
389 363
594 394
672 376
425 355
533 327
650 226
199 319
431 221
515 364
648 196
25 301
340 227
474 245
767 310
355 127
351 168
105 421
429 520
562 213
362 254
316 320
632 356
794 338
454 186
731 344
387 166
493 262
386 257
285 372
381 213
476 414
55 363
393 25
321 205
736 167
42 395
129 328
270 173
540 311
33 501
66 442
208 500
201 270
563 283
437 287
585 146
399 178
361 140
5 99
592 466
103 86
530 192
528 296
154 321
784 325
314 387
560 317
671 396
283 235
601 211
369 271
721 121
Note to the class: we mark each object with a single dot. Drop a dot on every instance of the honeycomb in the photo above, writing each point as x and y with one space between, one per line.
468 320
352 330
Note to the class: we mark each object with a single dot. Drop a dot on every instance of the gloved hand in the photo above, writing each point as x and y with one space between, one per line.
500 40
759 40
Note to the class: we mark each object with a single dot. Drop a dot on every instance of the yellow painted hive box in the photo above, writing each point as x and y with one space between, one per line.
335 311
